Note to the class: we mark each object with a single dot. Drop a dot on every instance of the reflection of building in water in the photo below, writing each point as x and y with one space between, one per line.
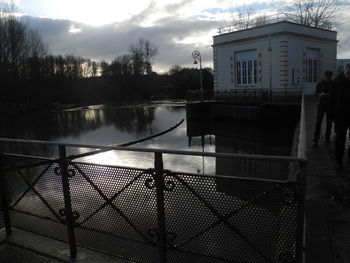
246 138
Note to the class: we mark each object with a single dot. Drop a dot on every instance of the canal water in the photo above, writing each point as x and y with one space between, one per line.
98 124
106 230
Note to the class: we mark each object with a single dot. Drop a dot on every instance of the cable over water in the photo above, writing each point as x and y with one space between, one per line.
72 157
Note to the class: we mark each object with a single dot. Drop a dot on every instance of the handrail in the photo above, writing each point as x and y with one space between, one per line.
248 88
302 147
283 197
268 20
165 151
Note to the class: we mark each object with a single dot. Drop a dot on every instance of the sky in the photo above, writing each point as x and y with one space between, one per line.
104 29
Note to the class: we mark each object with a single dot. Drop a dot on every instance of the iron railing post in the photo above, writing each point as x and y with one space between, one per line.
159 181
67 200
4 199
301 215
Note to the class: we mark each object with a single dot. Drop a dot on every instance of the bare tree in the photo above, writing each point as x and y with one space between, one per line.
174 69
260 20
150 50
316 13
243 19
18 43
126 64
141 55
94 67
137 57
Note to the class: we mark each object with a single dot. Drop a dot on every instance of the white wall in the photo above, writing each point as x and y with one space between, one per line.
288 51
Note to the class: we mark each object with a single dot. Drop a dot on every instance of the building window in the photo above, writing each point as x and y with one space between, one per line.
255 71
238 72
246 68
315 71
311 70
312 65
244 72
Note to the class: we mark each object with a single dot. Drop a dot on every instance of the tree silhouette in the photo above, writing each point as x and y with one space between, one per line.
141 54
316 13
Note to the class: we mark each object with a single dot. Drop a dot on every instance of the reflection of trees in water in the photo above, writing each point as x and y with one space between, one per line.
138 120
75 123
51 126
48 126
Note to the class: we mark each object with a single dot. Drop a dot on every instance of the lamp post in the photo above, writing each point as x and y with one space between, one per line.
197 55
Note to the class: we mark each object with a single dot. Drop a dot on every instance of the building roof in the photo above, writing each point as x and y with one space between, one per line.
275 29
266 20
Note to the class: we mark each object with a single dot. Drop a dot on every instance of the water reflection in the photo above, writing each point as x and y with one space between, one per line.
60 125
121 125
112 126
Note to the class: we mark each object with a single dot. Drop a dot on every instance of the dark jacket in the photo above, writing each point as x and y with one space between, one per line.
340 100
323 90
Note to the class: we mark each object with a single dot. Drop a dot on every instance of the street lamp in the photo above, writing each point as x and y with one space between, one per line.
197 55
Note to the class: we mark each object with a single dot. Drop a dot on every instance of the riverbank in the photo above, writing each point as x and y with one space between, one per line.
12 108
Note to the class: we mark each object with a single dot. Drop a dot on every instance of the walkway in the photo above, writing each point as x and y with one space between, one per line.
327 200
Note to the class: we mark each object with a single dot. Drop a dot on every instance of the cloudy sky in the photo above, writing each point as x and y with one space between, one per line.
104 29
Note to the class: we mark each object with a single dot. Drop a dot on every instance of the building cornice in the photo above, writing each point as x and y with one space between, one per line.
273 24
266 36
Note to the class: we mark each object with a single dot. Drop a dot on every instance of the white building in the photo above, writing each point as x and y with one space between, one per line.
276 55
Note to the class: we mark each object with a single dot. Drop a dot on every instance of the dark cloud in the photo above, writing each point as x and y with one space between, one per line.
109 41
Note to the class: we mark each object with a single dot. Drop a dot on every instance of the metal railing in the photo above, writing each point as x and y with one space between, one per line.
156 215
247 96
266 20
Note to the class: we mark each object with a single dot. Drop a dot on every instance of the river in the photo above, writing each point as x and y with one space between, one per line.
98 124
253 207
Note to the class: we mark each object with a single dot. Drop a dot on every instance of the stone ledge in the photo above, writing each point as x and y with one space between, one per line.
53 249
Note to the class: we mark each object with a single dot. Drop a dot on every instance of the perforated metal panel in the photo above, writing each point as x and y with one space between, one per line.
216 219
116 211
36 200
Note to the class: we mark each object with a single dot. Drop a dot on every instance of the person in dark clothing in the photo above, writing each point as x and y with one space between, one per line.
323 90
340 112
